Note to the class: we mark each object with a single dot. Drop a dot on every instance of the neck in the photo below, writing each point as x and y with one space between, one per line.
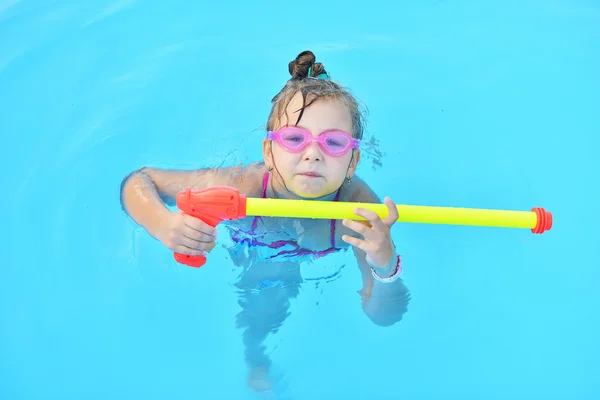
276 189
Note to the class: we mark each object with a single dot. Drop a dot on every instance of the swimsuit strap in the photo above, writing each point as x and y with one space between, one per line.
337 197
264 194
265 182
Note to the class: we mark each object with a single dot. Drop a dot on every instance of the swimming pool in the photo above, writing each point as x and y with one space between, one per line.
471 105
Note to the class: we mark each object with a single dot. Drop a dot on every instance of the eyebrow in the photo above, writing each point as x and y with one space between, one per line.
324 131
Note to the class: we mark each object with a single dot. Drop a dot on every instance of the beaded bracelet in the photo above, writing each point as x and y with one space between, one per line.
391 278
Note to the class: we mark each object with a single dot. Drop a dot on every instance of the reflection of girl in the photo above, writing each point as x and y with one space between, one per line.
311 152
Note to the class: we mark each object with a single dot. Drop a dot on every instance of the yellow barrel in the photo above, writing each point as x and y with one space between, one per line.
407 213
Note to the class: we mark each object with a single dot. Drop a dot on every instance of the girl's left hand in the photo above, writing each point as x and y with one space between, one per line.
377 242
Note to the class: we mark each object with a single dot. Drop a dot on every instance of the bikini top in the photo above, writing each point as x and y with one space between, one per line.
293 249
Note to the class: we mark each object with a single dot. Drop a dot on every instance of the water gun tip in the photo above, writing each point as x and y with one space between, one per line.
544 220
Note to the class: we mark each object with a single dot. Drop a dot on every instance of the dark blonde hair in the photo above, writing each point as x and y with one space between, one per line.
312 89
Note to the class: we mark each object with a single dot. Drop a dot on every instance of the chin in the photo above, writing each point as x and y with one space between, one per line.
310 196
312 193
312 189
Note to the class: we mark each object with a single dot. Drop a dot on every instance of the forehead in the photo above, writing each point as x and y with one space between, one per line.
324 114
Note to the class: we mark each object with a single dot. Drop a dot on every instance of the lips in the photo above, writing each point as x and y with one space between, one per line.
311 174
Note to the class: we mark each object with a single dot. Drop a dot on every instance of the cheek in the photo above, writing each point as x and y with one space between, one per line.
341 163
284 160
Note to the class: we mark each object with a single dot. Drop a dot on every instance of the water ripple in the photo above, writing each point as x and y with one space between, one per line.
110 10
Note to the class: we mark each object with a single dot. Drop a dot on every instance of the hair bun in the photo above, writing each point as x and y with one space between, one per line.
299 67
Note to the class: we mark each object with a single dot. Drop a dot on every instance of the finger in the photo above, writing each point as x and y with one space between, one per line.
370 216
392 216
199 225
198 236
357 227
195 244
186 250
356 242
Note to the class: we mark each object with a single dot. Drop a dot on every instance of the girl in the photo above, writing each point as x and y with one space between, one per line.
311 151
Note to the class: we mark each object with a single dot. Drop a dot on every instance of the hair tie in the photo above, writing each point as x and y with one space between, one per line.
320 76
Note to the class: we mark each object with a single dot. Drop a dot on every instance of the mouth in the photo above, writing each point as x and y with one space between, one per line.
311 174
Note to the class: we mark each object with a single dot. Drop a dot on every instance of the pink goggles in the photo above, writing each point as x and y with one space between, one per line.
334 142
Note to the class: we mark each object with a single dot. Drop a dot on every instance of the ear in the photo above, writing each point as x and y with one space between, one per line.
354 162
267 153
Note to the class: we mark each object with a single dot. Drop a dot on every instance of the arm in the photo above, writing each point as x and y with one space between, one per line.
146 193
383 303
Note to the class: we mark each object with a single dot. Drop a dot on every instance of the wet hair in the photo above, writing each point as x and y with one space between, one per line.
312 89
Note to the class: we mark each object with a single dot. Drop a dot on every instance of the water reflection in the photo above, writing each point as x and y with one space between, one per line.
268 280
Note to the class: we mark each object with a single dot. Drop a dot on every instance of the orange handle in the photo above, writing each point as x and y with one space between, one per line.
189 260
211 205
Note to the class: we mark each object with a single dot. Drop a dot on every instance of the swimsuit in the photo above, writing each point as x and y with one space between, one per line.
252 238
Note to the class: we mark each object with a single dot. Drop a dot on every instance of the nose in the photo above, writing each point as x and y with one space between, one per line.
313 152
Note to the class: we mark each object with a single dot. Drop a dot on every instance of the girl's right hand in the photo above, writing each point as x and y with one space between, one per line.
185 234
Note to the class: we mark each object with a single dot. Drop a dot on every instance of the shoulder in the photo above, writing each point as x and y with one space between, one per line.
358 191
245 178
251 178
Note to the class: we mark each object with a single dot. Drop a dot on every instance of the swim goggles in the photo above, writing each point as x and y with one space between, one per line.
334 142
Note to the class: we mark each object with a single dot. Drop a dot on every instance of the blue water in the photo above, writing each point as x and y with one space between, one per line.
472 104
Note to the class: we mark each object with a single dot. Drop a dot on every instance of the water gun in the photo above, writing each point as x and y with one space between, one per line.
216 204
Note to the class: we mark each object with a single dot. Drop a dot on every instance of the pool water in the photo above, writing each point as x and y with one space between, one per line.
471 104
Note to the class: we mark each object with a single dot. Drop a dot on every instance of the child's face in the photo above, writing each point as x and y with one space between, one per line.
312 173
